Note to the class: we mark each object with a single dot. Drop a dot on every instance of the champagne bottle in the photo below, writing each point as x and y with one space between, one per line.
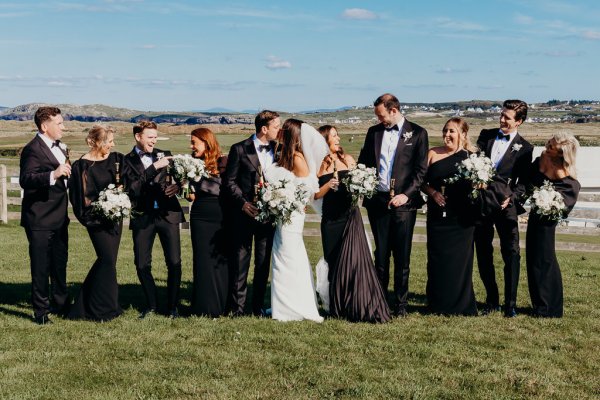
117 174
68 156
335 174
392 190
443 191
260 184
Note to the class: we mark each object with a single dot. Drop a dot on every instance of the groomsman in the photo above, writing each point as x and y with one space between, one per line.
43 177
156 210
246 164
397 148
511 156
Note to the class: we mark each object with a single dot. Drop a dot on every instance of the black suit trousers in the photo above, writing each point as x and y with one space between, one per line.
143 242
245 230
508 232
393 232
48 252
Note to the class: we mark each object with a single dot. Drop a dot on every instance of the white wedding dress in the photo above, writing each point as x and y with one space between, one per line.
293 296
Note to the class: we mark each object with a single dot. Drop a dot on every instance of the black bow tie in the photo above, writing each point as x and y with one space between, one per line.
392 128
502 136
56 143
264 147
144 154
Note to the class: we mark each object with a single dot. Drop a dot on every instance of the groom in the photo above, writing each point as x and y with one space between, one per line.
43 177
397 148
246 162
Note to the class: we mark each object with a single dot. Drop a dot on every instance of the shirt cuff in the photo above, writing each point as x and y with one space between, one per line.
52 180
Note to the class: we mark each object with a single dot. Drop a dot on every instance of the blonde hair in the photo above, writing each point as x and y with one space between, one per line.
465 139
98 136
568 146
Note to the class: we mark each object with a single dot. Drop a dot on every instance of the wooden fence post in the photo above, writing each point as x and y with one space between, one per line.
3 195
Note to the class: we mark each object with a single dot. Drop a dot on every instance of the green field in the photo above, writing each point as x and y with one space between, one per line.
421 357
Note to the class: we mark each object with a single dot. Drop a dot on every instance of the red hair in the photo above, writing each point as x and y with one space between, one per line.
213 150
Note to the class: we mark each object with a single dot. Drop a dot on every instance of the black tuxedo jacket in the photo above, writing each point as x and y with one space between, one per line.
513 166
241 173
410 162
44 206
145 187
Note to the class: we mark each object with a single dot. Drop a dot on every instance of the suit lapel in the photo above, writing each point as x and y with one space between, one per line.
377 144
47 152
490 144
136 162
401 143
510 154
250 151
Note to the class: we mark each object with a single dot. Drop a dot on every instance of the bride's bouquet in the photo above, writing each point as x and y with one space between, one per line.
477 169
186 168
113 204
361 182
547 202
277 201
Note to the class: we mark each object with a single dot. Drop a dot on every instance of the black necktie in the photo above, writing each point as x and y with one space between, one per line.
264 147
502 136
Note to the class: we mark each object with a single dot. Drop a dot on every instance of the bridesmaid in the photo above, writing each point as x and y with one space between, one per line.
354 289
557 165
211 281
450 225
98 298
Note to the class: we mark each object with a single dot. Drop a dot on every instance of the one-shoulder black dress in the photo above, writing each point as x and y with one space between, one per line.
209 248
354 288
450 242
543 272
98 298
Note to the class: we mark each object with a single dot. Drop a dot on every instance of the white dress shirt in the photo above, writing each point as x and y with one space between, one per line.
146 158
499 148
56 151
266 158
389 144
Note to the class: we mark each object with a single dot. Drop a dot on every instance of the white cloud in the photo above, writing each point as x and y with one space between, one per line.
592 35
448 70
148 46
523 19
358 13
274 63
461 26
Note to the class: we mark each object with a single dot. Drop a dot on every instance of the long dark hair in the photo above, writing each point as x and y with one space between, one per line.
289 138
325 131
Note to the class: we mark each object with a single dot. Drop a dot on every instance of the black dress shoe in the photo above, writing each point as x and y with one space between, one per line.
174 313
147 313
490 308
510 312
43 320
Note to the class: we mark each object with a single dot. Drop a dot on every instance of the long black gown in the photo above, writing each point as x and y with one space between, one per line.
209 246
354 289
98 298
450 242
543 272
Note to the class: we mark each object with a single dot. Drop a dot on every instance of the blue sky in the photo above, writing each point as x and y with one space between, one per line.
295 55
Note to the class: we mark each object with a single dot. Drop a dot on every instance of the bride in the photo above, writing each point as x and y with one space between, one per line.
293 295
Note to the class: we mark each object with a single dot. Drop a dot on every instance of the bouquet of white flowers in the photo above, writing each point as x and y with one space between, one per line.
477 169
547 202
277 201
361 182
186 168
113 204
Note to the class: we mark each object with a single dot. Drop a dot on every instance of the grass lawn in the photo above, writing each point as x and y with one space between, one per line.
421 357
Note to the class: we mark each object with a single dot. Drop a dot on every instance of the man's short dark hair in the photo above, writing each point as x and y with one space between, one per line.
44 114
520 108
263 118
141 125
388 100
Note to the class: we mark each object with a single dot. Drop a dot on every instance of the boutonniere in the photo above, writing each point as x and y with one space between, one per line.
406 136
516 147
159 155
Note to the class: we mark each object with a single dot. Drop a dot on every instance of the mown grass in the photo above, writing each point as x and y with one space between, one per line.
422 356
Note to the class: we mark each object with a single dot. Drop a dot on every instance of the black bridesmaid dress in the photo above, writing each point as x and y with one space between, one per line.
209 247
543 272
354 289
98 298
450 242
